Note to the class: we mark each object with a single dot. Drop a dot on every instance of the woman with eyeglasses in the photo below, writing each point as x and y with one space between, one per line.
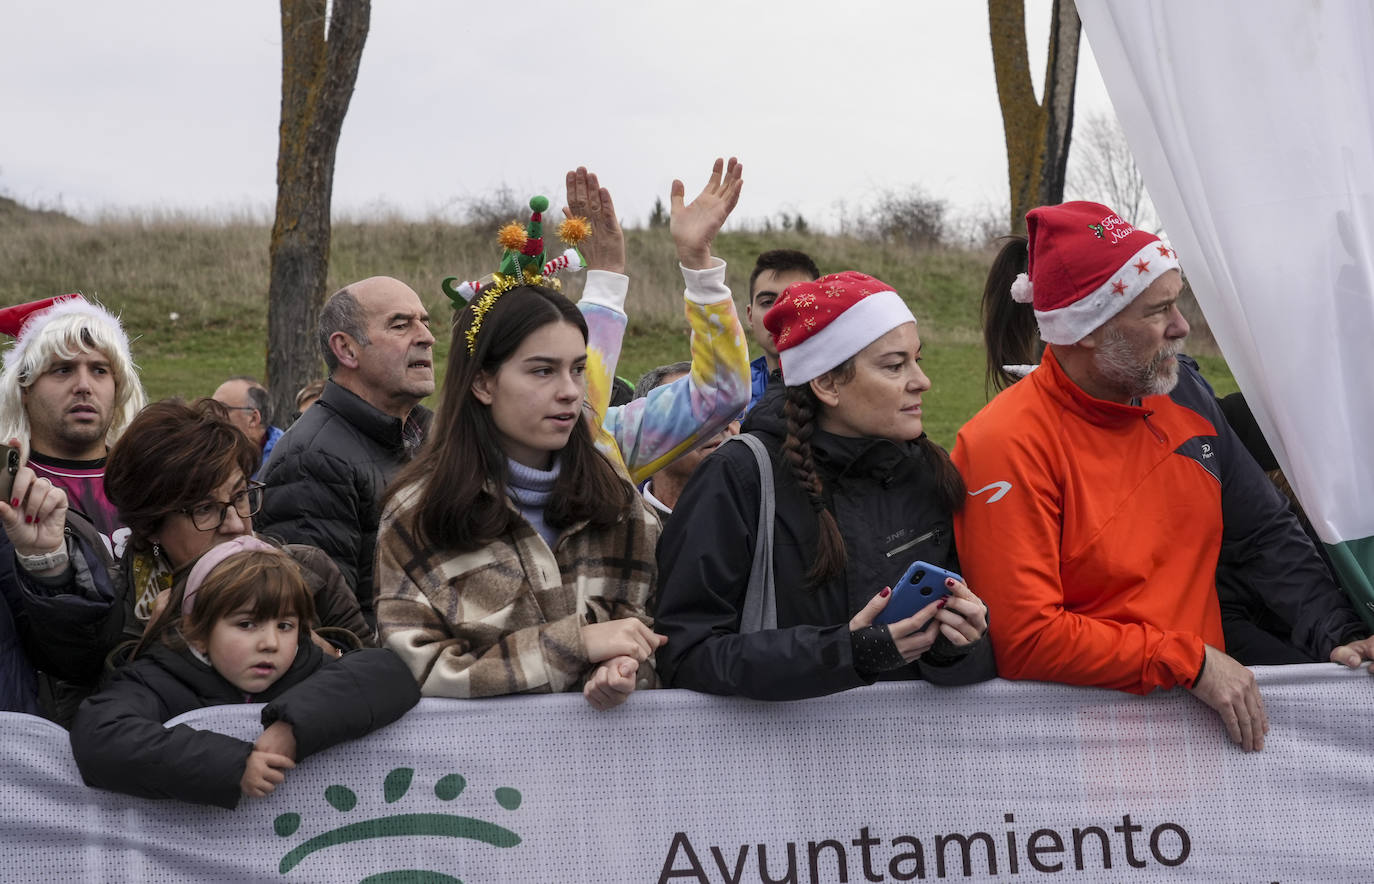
179 478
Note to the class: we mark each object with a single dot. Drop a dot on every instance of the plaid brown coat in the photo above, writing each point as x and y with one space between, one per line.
507 618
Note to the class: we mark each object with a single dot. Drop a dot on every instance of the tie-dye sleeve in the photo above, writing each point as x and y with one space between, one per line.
603 307
652 432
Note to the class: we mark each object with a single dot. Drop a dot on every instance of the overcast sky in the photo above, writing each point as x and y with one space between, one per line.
173 104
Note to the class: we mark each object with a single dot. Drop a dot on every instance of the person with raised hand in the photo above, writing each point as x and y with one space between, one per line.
648 434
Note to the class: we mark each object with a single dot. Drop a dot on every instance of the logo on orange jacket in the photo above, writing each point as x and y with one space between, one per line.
1002 490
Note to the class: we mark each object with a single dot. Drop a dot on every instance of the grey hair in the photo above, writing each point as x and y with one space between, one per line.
341 313
259 398
654 377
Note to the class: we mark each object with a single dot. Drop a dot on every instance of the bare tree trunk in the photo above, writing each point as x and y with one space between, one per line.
1037 132
317 81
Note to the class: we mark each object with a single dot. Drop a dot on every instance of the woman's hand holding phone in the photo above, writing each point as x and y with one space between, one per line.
910 635
961 617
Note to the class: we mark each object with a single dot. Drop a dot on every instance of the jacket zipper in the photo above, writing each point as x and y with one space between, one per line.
1160 437
932 533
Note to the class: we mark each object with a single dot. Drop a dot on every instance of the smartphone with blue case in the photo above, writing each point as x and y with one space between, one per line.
922 584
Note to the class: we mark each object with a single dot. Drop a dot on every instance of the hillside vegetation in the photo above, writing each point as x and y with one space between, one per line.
192 292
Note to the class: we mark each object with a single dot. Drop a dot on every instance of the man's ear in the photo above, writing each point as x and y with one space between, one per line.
345 349
481 388
826 390
749 311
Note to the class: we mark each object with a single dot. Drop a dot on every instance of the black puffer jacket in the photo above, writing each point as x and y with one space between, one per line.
326 477
884 499
120 743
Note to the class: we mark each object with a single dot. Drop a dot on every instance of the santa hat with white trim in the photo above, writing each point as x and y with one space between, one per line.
1086 265
817 325
26 323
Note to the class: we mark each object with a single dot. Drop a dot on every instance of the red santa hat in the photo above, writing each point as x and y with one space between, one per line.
1085 266
25 323
13 319
817 325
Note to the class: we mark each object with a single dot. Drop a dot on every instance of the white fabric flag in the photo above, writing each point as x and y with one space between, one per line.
1253 125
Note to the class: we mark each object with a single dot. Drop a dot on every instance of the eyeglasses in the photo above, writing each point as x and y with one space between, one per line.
209 515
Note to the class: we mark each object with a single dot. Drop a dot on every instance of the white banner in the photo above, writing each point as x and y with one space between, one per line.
892 783
1251 123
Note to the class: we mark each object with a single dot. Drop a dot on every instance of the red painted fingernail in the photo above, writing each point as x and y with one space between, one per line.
14 502
28 520
949 581
941 603
887 591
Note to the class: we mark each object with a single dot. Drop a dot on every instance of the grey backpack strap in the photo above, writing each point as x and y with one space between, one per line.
760 601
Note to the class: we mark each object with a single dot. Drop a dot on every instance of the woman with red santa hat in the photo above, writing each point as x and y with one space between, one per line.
859 493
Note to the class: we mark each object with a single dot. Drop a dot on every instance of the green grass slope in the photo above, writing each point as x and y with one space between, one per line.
193 293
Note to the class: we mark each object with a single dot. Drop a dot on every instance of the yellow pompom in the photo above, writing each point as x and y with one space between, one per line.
512 236
573 230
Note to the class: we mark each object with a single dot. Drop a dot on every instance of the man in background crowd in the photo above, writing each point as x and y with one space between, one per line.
328 472
773 271
250 408
664 488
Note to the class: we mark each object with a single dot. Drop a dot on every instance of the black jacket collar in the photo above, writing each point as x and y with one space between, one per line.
382 428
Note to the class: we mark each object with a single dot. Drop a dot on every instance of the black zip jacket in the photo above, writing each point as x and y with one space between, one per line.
120 743
884 499
326 477
1279 603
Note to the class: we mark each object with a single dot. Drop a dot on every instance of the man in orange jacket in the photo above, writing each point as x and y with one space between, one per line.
1106 488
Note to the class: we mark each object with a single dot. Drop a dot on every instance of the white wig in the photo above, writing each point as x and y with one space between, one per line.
61 332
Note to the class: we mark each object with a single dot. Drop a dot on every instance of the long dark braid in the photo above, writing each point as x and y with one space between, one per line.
800 411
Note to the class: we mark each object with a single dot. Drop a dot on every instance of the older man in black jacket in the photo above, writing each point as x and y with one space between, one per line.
327 474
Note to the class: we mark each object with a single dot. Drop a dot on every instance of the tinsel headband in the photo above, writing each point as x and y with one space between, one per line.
522 263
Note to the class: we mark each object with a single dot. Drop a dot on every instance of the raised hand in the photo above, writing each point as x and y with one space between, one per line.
627 637
612 683
694 225
35 516
605 248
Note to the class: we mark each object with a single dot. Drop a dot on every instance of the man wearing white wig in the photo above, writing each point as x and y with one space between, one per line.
68 389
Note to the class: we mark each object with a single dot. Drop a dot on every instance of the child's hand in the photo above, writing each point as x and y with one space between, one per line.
612 683
264 772
279 738
627 637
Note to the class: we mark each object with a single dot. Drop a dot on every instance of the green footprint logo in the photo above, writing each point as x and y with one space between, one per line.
400 825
